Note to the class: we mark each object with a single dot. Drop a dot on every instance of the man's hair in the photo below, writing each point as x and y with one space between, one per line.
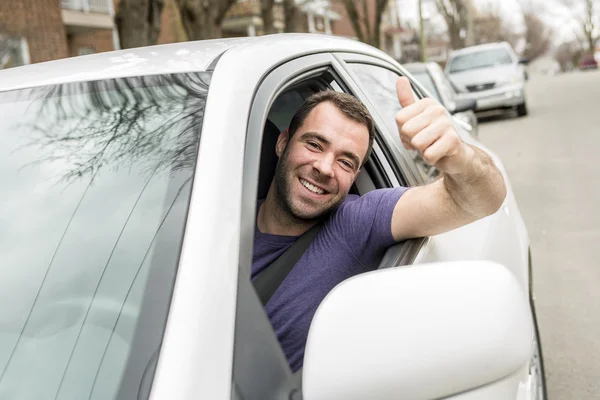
348 105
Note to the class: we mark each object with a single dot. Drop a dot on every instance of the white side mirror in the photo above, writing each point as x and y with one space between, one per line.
420 333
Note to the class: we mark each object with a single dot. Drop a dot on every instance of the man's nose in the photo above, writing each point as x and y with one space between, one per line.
324 164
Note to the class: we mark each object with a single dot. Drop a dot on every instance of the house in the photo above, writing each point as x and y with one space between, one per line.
41 30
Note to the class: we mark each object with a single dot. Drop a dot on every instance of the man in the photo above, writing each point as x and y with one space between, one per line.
320 155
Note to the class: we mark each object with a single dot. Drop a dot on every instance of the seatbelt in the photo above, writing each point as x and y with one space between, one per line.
270 279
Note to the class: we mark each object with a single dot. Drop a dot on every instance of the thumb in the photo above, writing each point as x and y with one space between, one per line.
404 91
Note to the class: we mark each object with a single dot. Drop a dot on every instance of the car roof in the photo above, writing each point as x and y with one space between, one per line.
416 67
177 58
480 47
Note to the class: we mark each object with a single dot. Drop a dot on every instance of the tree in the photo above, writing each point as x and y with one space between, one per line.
152 121
292 16
537 36
587 15
365 20
266 13
568 54
202 19
455 13
138 22
490 27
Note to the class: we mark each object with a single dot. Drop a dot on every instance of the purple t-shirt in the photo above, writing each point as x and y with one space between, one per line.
352 240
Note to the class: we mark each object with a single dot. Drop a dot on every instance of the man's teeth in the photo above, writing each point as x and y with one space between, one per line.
311 187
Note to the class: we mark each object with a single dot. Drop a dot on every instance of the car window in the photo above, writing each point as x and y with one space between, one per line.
379 85
480 59
96 180
425 80
443 85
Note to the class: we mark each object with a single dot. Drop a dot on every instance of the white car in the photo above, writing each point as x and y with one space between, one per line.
130 182
493 74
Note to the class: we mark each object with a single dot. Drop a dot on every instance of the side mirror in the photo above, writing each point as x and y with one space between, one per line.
464 104
424 332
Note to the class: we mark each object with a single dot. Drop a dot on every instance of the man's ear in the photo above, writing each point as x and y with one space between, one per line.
282 141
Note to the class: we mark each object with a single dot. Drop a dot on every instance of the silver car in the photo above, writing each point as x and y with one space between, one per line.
432 77
493 74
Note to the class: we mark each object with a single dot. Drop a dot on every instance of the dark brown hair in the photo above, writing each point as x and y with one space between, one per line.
349 105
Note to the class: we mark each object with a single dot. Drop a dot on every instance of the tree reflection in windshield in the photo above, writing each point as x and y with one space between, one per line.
96 185
117 123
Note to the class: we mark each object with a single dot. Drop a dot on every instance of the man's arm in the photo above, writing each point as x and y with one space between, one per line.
471 187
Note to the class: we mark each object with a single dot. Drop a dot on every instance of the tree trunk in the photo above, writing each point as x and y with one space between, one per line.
291 15
202 19
138 22
266 11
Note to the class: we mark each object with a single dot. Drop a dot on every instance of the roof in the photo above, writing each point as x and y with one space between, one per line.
176 58
479 47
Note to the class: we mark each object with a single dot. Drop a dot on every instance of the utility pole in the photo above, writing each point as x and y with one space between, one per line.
469 40
422 41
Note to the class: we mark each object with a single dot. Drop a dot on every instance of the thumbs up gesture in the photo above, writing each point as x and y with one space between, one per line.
425 126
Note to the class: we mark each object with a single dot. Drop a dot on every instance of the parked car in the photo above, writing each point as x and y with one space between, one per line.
493 74
588 62
461 105
130 182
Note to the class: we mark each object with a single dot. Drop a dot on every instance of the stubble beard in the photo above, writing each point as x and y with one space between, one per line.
285 200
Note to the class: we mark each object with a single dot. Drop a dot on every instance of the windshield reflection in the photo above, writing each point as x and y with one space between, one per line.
97 179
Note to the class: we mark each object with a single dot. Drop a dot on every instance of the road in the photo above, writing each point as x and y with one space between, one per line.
553 165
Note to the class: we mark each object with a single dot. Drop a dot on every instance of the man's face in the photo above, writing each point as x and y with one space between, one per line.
319 163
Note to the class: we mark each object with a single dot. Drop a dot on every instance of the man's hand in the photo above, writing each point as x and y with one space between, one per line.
471 187
426 126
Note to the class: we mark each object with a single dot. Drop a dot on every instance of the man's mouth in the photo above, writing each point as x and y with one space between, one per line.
311 187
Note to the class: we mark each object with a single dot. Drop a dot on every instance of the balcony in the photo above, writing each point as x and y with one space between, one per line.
81 15
88 6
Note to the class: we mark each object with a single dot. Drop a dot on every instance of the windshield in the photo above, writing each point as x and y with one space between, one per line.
480 59
425 79
96 180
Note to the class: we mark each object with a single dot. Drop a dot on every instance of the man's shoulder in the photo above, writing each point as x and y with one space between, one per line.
370 203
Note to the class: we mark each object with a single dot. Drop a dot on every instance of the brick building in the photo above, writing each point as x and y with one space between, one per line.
41 30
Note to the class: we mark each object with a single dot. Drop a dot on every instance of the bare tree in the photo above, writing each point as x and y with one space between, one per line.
202 19
587 14
365 17
455 14
489 26
538 36
266 13
292 16
138 22
567 54
152 121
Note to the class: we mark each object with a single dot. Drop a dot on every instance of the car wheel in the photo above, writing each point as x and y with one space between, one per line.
536 370
522 109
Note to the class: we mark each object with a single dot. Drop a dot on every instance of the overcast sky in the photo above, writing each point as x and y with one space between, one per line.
554 12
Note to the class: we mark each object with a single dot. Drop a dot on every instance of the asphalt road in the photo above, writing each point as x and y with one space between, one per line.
553 165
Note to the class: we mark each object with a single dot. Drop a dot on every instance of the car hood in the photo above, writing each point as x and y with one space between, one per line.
484 75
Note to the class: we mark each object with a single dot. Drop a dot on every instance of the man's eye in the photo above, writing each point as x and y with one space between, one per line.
348 164
314 144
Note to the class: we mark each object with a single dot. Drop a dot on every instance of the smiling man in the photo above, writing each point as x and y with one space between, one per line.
320 156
